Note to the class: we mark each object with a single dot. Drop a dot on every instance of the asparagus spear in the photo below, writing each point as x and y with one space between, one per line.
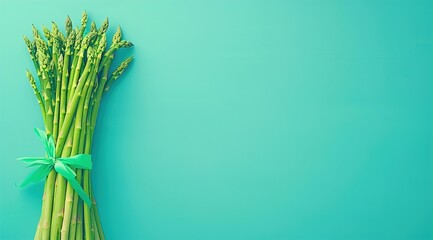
68 25
37 93
57 93
65 75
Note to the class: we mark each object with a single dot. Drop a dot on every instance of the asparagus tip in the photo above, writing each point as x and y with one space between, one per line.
104 27
45 30
102 43
117 36
54 25
31 79
35 31
125 44
84 19
93 27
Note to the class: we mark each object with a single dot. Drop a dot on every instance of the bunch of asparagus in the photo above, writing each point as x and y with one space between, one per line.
73 72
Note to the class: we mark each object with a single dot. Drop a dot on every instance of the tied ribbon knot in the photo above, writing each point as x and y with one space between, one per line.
61 165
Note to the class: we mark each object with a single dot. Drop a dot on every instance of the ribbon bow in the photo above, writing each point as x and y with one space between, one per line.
61 165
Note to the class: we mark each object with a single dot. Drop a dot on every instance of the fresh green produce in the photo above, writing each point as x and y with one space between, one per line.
73 73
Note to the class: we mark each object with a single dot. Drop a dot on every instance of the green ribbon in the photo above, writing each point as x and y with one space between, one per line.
61 165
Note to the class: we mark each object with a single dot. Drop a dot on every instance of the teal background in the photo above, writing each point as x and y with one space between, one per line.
244 119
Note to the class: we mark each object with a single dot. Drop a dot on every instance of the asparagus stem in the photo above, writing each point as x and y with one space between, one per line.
47 204
76 70
79 230
59 195
38 231
87 218
98 220
94 225
81 114
70 219
69 198
74 212
57 104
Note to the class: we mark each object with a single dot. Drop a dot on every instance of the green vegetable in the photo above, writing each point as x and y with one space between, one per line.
73 73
